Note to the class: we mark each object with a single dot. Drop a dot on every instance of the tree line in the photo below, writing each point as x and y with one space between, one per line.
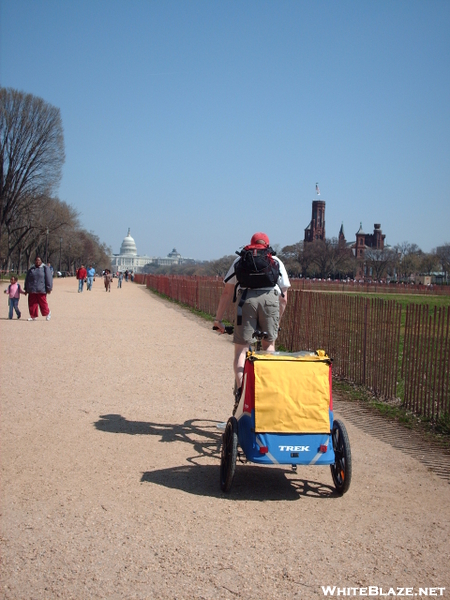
33 220
329 259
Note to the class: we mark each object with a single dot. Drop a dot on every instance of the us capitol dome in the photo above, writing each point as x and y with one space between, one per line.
128 246
129 259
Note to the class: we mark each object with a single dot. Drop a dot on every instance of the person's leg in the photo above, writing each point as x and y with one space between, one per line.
240 350
16 307
33 305
268 345
269 318
11 305
42 299
243 335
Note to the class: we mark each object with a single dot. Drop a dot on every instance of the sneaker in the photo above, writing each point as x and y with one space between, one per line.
32 319
19 315
49 316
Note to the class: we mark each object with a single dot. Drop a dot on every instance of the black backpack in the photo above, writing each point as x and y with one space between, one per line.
256 268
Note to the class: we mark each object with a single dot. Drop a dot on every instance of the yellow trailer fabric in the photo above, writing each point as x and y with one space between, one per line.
292 396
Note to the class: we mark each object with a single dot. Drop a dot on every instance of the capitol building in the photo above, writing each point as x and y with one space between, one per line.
128 258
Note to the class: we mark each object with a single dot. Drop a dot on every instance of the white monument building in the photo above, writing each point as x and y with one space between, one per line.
129 259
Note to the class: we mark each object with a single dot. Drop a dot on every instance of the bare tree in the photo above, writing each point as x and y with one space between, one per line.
291 257
31 153
408 259
443 254
381 262
220 266
429 262
329 258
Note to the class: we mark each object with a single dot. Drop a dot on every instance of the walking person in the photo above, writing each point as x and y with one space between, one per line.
38 283
14 290
90 277
259 279
81 276
108 279
119 280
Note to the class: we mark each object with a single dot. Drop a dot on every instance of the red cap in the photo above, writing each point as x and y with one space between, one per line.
259 239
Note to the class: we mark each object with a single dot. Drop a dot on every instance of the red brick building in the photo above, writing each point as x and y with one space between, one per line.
316 228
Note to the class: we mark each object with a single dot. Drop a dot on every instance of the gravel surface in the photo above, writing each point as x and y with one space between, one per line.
110 472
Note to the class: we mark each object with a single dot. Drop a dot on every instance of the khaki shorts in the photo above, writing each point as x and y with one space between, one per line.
261 310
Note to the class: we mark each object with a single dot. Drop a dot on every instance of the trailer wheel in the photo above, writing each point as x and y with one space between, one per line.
341 470
228 454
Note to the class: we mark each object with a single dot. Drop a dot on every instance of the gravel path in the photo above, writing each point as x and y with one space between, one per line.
110 467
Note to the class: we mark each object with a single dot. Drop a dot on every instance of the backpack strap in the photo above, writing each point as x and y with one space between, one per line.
240 305
227 279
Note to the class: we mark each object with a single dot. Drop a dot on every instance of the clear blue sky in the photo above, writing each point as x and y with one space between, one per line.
196 123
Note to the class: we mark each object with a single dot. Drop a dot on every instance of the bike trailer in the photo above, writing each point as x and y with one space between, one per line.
285 414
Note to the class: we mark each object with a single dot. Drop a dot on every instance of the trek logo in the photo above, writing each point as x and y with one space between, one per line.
293 448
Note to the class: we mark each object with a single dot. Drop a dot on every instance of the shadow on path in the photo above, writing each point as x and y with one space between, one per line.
202 435
259 484
251 482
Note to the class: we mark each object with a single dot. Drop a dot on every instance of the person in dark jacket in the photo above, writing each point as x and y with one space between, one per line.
38 283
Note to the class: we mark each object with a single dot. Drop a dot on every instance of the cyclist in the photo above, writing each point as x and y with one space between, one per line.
262 309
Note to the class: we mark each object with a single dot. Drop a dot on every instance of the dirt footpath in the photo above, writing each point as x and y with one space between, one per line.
110 472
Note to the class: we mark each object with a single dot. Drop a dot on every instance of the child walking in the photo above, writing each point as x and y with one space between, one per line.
14 290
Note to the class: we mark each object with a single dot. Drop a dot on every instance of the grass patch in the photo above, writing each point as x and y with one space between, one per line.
438 431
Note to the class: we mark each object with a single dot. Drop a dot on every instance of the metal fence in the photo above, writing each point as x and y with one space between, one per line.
425 365
364 337
374 287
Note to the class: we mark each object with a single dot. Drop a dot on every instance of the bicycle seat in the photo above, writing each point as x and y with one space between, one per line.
260 335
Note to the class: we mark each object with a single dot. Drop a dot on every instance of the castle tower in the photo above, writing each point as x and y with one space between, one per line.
360 245
316 228
378 237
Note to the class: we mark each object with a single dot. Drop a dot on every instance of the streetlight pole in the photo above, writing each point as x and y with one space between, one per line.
60 242
46 248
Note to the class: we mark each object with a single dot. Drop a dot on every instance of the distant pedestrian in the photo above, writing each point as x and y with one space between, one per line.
107 279
14 290
38 283
90 277
120 278
126 275
82 277
52 271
